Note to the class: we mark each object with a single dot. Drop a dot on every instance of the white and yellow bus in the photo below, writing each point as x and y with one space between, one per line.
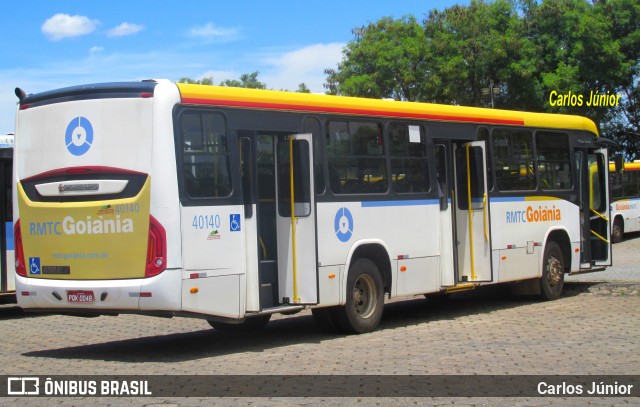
625 199
233 204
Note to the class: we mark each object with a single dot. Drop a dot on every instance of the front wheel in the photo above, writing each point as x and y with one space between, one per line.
553 268
365 298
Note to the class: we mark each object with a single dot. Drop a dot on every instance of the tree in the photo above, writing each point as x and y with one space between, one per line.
622 122
385 60
302 88
524 48
204 81
474 47
247 80
449 59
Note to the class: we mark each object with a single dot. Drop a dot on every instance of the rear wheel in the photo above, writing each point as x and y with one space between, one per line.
251 324
553 268
365 298
617 230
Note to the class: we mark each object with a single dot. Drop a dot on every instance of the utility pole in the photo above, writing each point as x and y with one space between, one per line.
491 91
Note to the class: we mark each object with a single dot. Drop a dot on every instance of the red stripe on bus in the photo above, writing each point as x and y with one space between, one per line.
323 109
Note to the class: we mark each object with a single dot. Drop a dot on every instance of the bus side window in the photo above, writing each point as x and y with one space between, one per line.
409 170
205 155
355 156
513 152
629 184
554 167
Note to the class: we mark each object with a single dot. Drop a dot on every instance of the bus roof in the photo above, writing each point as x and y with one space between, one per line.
316 103
319 103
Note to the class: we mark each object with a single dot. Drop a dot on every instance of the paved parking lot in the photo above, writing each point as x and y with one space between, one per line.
593 329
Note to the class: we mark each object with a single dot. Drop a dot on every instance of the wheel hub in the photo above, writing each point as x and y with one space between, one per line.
554 271
363 296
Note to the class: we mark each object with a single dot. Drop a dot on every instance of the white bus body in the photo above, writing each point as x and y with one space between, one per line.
625 200
171 199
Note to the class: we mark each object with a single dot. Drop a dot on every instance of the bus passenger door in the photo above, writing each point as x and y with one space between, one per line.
594 208
472 213
296 221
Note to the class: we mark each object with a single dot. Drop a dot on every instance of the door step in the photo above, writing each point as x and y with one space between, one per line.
282 308
460 287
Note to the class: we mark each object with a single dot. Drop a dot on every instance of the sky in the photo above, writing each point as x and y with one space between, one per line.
53 44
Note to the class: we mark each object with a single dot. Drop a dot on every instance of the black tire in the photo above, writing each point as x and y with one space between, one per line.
325 319
251 324
365 299
617 230
553 268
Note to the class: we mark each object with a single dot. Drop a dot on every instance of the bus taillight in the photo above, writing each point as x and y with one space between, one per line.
156 250
21 268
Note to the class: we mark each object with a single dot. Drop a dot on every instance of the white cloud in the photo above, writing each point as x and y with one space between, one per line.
279 70
288 70
65 26
211 32
96 50
124 29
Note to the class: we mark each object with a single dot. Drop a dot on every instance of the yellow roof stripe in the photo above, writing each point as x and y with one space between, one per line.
304 102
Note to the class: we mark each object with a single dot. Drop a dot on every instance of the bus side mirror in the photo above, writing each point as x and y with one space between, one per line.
619 163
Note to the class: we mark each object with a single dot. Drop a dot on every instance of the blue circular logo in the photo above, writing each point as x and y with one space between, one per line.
79 136
343 224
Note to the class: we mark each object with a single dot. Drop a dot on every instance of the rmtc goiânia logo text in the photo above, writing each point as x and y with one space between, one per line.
71 226
531 214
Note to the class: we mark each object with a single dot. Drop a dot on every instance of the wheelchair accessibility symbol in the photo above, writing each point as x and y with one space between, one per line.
234 222
79 136
34 265
343 224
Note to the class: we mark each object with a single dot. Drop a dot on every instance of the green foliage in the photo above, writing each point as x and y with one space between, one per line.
247 80
384 61
524 48
203 81
302 88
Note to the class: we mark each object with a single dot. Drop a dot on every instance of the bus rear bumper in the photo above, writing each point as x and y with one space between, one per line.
159 293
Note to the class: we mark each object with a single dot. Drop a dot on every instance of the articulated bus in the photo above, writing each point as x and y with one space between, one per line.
7 260
232 204
625 199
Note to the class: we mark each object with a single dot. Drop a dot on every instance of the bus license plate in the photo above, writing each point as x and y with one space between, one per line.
80 296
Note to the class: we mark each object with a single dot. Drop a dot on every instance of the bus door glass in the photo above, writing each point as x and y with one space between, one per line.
472 213
448 256
296 232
